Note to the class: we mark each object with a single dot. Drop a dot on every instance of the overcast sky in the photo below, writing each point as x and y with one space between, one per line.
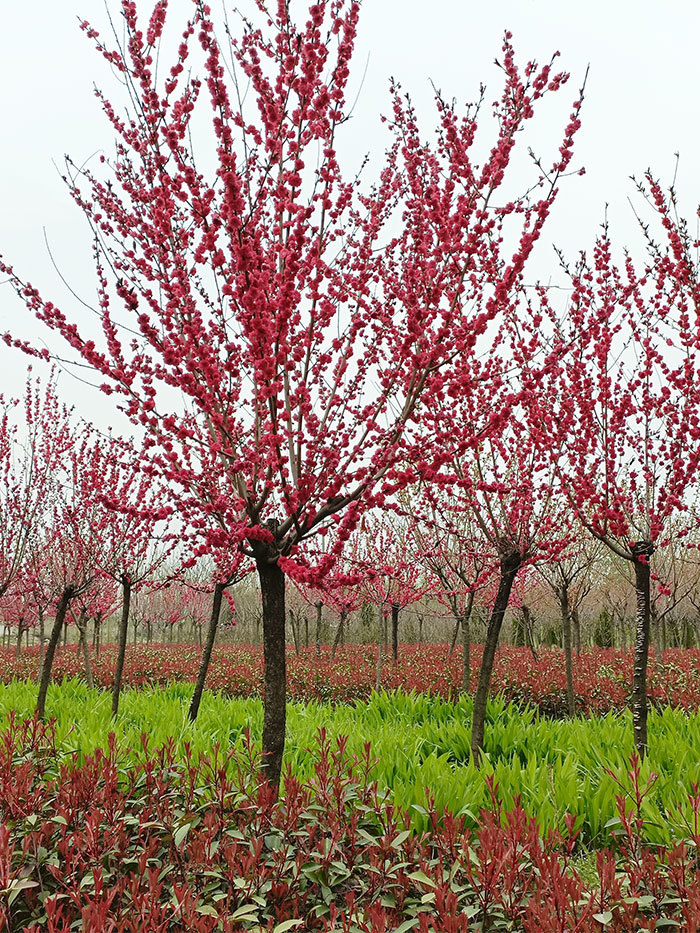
641 107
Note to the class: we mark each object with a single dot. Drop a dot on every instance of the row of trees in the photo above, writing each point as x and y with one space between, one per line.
300 351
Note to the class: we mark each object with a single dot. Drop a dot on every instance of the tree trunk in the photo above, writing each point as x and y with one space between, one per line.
121 651
453 642
642 552
466 653
20 632
40 613
420 630
65 631
81 622
272 584
306 631
319 610
566 632
576 622
340 634
395 632
509 566
380 646
295 634
54 637
206 653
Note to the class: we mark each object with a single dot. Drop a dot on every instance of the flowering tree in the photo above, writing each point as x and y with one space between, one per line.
621 407
284 338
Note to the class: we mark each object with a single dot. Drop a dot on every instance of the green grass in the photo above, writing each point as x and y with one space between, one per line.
421 742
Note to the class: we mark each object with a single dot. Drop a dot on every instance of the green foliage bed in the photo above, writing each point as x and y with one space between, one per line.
421 745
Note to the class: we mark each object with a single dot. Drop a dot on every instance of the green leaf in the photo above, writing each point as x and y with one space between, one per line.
421 877
286 925
604 917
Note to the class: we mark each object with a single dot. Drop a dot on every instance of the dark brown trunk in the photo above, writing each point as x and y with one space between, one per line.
206 653
42 636
380 646
65 631
509 566
319 610
121 651
466 645
272 584
340 634
58 622
20 632
395 632
453 641
576 622
566 631
81 622
642 552
295 634
420 630
306 631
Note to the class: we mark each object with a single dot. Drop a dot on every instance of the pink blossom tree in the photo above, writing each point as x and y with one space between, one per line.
285 336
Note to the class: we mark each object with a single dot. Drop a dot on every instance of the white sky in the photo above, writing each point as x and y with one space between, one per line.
641 107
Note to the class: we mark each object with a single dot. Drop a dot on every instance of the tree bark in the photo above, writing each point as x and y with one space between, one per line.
319 610
306 631
20 632
576 623
340 634
59 619
466 653
295 634
380 646
81 623
453 642
566 631
121 651
395 632
642 551
272 585
206 653
42 636
509 566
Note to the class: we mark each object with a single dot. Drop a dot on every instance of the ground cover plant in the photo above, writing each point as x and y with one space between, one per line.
602 676
181 842
421 746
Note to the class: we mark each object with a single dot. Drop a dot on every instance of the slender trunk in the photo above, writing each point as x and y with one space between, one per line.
664 634
380 645
319 610
206 653
395 632
306 631
81 622
295 634
576 622
40 612
65 631
149 631
642 552
272 584
20 632
453 641
420 630
121 650
510 564
566 632
340 634
54 637
466 645
528 627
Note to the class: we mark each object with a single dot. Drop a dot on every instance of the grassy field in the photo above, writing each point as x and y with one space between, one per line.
421 746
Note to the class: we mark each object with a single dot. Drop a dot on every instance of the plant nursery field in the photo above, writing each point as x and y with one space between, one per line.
150 822
602 676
